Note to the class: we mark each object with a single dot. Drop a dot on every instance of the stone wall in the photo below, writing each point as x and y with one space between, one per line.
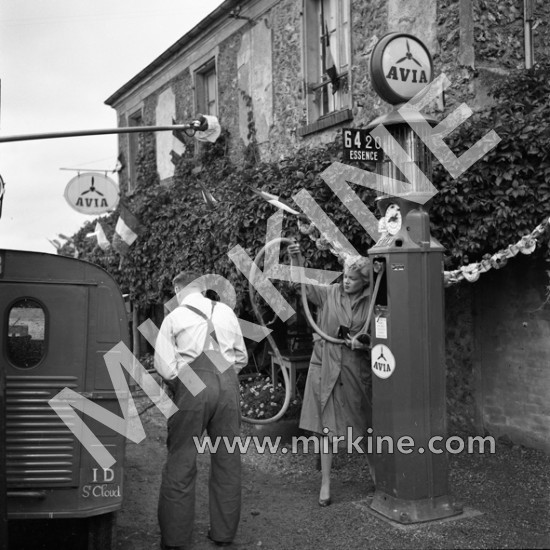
512 355
496 40
369 23
289 108
497 354
184 92
228 91
473 61
459 347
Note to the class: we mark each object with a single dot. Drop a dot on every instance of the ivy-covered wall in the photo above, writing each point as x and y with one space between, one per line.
500 198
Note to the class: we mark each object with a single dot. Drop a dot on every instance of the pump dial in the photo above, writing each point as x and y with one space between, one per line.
393 219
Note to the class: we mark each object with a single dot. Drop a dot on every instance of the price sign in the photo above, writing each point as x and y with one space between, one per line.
360 145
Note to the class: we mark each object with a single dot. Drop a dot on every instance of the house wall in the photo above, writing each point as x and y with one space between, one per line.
512 355
289 107
260 65
262 102
255 84
165 114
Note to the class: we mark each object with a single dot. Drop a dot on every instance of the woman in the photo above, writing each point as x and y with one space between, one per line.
337 394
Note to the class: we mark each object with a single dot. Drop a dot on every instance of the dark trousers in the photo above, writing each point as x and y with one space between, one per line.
216 410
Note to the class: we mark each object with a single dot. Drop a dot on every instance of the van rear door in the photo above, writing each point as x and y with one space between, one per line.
43 350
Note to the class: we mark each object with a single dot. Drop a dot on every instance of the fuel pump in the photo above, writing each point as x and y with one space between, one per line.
408 325
408 367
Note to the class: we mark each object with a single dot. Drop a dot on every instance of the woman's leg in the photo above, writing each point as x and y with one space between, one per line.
326 465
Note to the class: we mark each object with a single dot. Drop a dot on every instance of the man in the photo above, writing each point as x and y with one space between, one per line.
204 337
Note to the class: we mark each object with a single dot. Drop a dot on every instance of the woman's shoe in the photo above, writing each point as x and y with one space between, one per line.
325 502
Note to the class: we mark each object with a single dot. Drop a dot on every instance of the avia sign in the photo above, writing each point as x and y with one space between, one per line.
400 66
92 193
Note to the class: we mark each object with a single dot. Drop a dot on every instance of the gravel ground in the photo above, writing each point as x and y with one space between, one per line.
508 490
506 496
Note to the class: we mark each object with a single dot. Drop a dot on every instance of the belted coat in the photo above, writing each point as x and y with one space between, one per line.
337 393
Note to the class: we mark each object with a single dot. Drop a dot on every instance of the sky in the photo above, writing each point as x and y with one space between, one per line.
59 61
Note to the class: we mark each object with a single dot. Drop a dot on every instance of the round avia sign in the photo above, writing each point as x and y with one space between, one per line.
92 193
400 67
382 361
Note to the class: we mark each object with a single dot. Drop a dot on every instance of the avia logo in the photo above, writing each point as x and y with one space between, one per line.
96 203
92 193
88 201
92 189
402 74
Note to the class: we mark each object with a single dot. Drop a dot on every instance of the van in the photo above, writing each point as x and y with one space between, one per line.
60 316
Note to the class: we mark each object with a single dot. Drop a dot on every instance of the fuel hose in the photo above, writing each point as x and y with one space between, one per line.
270 338
309 317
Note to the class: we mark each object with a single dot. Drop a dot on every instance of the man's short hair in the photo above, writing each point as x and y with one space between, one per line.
185 278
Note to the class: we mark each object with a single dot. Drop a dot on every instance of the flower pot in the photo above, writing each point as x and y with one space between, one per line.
285 429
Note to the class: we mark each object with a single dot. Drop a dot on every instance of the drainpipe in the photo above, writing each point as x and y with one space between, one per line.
528 32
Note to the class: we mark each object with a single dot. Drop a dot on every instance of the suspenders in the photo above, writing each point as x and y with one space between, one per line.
211 327
171 384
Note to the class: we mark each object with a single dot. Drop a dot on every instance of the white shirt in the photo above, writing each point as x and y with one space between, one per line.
183 337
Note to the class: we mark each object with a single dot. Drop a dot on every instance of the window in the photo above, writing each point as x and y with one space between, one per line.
26 333
327 58
133 149
207 89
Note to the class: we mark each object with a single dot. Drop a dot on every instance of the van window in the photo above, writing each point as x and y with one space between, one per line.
26 333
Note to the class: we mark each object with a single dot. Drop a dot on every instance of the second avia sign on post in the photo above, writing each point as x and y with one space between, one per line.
92 193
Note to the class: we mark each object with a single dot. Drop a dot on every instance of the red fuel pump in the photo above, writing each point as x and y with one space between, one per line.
408 366
408 325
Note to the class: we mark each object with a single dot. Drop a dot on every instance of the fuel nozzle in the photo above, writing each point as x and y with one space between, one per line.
363 339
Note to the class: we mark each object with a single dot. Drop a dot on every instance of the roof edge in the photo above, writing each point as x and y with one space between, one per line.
220 12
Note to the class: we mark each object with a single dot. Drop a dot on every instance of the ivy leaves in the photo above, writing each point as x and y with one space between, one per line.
506 193
500 198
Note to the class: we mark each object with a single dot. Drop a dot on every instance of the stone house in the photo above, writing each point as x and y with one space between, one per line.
260 67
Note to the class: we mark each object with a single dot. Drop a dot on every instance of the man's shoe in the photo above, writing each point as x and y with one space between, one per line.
218 542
